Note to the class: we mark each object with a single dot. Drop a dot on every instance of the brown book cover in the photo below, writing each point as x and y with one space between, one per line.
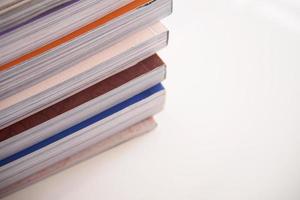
84 96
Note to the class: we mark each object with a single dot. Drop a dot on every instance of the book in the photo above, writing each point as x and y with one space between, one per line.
87 133
136 130
28 60
84 74
81 106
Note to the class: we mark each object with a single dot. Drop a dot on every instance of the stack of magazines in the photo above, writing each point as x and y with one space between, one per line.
76 77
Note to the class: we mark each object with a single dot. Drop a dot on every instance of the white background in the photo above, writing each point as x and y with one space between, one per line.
231 125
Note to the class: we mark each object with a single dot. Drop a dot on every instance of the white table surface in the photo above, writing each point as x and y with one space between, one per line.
231 125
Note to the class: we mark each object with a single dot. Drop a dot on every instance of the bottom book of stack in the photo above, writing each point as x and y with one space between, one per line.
133 131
